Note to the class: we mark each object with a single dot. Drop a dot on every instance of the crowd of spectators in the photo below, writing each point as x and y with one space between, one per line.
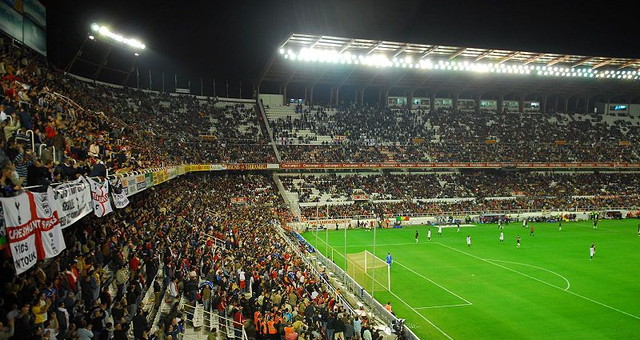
95 287
399 194
376 134
77 124
465 207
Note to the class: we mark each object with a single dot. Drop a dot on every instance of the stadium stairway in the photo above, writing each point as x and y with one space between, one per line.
286 196
265 124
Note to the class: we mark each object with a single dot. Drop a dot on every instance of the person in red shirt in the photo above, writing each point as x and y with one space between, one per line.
238 321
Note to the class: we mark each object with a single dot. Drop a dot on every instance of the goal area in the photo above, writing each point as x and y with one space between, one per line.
371 272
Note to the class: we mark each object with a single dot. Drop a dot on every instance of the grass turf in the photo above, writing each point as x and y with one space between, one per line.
548 288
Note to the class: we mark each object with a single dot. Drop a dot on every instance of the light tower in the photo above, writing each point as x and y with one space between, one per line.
109 42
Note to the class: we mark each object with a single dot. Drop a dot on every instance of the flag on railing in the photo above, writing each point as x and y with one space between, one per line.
32 228
118 194
100 197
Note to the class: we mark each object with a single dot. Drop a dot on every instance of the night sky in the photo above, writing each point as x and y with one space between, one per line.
233 40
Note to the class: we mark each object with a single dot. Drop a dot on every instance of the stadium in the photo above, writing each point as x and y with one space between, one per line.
350 187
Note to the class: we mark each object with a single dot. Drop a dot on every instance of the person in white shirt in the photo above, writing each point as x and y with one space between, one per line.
366 335
3 115
173 289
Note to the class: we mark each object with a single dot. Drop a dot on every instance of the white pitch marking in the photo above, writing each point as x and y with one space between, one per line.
554 286
445 306
422 316
532 266
435 283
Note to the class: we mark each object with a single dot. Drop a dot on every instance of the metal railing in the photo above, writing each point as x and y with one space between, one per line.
33 141
577 209
223 322
358 291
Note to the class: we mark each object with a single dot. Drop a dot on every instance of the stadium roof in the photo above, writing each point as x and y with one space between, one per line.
281 69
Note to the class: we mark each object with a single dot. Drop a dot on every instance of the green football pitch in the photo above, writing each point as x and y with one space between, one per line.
546 289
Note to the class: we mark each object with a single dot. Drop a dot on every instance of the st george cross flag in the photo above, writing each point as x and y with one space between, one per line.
33 228
100 197
119 196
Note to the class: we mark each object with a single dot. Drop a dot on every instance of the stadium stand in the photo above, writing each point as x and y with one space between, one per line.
208 260
336 195
356 133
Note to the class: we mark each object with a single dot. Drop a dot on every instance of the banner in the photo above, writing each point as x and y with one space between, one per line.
10 21
35 37
74 201
160 176
238 200
360 197
149 179
3 230
244 166
440 165
100 197
34 10
141 183
33 228
118 194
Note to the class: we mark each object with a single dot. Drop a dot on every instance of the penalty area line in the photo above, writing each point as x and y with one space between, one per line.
544 282
420 315
435 283
445 306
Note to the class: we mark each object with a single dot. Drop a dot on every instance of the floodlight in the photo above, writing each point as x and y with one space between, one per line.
91 37
136 54
104 31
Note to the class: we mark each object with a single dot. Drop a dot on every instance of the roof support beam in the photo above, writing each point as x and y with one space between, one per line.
374 47
483 55
397 80
318 78
295 70
629 63
532 59
270 63
583 61
400 50
558 60
608 61
457 53
347 45
509 57
373 78
429 51
345 78
316 42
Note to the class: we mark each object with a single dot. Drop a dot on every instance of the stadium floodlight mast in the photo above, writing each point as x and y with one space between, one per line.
328 56
104 34
104 31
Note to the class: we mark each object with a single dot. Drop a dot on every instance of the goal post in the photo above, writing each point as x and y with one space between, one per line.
371 272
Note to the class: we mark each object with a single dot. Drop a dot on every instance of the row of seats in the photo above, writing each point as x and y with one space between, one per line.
356 133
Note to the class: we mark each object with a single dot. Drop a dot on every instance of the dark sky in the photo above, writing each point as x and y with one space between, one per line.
233 39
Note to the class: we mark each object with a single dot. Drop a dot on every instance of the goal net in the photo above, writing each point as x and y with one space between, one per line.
371 272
